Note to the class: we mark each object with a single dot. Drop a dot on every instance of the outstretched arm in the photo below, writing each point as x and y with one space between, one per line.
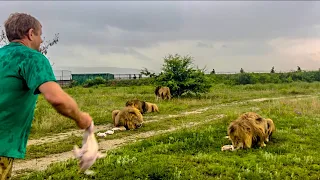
39 77
64 104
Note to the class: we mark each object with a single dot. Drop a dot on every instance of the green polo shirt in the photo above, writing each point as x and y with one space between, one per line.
22 71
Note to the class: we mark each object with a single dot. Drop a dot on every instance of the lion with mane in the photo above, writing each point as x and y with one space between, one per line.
247 130
162 92
128 117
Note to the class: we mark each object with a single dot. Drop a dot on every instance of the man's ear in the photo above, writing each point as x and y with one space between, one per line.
30 34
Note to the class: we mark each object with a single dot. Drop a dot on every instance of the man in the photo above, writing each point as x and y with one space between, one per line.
25 73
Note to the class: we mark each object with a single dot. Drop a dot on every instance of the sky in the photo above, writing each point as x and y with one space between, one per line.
226 36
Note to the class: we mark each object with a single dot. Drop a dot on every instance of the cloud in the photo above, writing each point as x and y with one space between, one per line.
222 35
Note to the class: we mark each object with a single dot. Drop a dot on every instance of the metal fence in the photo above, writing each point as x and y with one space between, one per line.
64 77
128 76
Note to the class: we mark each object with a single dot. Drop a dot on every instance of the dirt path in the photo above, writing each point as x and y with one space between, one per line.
42 163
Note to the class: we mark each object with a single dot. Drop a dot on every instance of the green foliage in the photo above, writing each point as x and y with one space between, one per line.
146 72
179 75
262 78
96 81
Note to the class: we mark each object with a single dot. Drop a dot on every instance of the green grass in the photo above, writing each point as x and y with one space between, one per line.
194 152
100 101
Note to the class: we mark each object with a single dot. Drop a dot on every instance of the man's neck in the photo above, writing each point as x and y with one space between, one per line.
23 42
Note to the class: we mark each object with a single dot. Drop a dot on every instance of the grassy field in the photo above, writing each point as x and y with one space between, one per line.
191 151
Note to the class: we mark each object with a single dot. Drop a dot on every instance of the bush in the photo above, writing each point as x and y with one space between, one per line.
95 81
179 75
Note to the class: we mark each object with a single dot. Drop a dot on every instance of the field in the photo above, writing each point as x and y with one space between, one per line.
184 140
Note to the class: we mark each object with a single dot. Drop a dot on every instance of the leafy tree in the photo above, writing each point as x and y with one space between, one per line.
146 72
299 69
272 70
179 75
43 47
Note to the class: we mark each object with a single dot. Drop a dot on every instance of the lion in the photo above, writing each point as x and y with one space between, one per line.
140 105
114 114
162 92
271 128
128 117
248 129
151 107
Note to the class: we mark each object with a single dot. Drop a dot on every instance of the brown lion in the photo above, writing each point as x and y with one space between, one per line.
128 117
151 107
162 92
271 128
140 105
114 114
248 129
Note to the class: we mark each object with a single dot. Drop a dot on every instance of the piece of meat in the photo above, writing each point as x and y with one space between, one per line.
88 153
227 148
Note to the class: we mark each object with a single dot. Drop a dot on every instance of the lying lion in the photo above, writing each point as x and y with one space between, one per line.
248 129
162 92
128 117
151 107
140 105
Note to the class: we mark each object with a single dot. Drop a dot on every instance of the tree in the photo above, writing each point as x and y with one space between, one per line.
43 47
179 75
272 70
299 69
146 72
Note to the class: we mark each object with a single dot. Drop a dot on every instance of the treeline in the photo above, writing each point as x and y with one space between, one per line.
262 78
229 79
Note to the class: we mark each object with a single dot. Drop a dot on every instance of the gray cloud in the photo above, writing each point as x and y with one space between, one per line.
145 23
123 27
124 51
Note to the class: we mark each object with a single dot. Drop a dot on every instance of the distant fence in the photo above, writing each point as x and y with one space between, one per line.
128 76
63 77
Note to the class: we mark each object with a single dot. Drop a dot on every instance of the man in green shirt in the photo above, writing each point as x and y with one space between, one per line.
24 74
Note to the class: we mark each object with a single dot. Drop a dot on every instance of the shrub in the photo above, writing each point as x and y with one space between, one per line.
95 81
179 75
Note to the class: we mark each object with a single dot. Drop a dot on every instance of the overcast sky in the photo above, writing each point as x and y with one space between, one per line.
225 36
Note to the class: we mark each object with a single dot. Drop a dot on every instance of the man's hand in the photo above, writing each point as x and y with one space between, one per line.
84 121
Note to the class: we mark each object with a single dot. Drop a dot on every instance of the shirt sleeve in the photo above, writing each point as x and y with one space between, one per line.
37 70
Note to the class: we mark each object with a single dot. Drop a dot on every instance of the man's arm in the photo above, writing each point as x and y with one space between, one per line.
38 74
64 104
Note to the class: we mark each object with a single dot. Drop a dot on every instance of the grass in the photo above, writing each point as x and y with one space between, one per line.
100 101
194 152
